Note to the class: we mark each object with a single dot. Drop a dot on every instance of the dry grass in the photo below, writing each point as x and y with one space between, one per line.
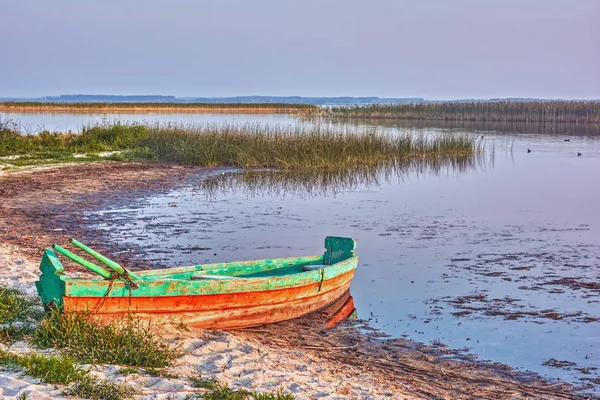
88 107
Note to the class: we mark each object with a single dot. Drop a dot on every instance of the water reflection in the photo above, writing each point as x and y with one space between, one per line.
35 122
341 309
331 182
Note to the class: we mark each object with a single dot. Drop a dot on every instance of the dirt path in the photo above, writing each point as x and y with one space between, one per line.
42 206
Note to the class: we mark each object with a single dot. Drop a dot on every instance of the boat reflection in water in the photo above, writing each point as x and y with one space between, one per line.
341 309
327 317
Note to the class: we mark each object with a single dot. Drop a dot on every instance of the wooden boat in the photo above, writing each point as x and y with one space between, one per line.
212 296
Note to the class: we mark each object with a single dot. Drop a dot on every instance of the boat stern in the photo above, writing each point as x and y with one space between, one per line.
338 249
51 286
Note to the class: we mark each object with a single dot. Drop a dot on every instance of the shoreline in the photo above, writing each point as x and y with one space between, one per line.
41 206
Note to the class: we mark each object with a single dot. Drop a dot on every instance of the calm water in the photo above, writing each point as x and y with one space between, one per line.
502 258
60 122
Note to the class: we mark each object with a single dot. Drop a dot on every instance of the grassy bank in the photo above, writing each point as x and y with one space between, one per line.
241 145
583 112
243 108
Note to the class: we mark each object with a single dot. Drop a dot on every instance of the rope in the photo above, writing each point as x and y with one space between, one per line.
114 276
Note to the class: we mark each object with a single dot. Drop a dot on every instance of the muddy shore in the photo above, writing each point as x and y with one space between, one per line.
48 205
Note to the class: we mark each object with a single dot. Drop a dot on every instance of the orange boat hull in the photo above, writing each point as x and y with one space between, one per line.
219 311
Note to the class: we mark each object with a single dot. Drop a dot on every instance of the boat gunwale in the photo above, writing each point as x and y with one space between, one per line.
80 287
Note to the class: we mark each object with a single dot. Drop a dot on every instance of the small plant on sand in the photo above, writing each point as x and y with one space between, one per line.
128 342
19 313
93 388
54 369
161 373
128 370
203 383
220 391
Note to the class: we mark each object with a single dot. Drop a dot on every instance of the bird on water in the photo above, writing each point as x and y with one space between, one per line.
578 154
528 151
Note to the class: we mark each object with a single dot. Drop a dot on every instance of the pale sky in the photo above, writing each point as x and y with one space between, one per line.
440 49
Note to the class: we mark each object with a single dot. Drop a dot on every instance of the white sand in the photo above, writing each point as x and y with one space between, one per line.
239 362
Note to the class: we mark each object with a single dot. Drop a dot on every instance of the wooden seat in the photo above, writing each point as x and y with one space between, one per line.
197 277
314 267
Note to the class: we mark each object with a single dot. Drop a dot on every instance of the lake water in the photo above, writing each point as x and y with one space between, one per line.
501 258
62 122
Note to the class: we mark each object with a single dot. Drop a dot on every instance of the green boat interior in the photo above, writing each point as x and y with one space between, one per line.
337 249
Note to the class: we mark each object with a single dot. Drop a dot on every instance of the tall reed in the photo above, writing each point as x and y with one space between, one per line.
502 111
298 147
246 145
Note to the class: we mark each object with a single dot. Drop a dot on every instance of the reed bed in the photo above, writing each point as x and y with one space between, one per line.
481 127
246 145
581 112
296 148
95 107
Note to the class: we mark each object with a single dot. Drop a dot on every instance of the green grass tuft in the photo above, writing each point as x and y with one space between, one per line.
54 369
203 383
110 137
93 388
63 370
19 314
128 370
128 342
16 306
220 391
161 373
